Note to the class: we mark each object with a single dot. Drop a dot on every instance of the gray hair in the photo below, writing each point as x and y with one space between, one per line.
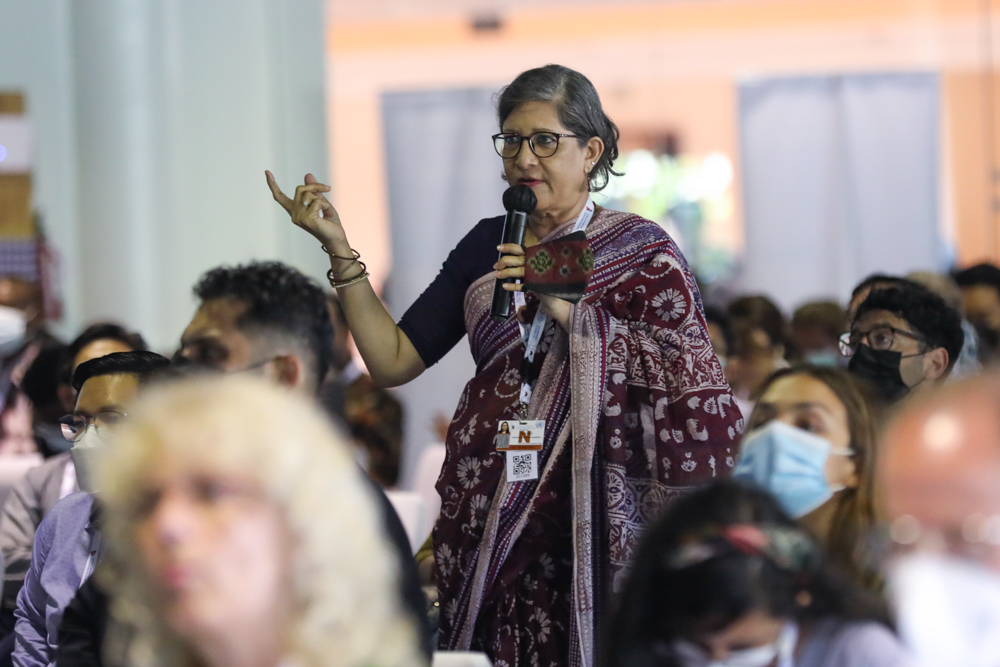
578 106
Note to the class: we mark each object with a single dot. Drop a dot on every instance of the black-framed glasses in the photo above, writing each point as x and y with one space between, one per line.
74 426
542 144
880 338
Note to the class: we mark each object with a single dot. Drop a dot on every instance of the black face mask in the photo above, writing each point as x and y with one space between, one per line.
880 368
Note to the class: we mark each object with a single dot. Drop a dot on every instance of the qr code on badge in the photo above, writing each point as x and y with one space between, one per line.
522 465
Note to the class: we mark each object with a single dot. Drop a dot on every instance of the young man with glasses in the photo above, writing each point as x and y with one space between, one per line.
38 491
67 543
903 339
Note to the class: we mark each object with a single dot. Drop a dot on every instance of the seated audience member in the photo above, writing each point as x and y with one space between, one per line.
816 329
759 345
262 318
22 336
940 481
32 498
270 320
811 443
727 578
67 542
97 340
903 339
865 287
374 418
720 332
981 300
223 482
41 385
945 287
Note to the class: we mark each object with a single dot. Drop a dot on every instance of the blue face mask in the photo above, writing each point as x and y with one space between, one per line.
790 463
824 358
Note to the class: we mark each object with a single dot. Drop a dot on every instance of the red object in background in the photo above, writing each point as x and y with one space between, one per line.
49 281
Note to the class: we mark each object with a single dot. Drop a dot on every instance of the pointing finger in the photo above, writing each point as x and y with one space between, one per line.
276 192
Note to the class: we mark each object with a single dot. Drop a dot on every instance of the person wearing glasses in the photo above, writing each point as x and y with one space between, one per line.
939 475
902 340
68 543
41 488
635 403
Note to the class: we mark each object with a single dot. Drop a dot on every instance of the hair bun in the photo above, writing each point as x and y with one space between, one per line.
520 198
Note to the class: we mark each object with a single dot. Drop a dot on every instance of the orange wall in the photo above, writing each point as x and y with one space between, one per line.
973 206
673 66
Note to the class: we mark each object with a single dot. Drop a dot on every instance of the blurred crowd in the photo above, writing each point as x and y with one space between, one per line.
865 504
720 486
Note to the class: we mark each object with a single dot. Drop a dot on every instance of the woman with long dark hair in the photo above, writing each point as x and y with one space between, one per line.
811 442
726 578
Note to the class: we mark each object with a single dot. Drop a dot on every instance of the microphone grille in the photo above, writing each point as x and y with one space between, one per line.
520 198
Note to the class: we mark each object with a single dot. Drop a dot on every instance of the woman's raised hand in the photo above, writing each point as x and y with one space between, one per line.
311 211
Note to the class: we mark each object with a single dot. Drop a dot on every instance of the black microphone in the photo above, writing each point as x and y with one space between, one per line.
519 201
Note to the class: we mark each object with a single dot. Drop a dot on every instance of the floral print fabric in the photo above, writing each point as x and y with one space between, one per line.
637 410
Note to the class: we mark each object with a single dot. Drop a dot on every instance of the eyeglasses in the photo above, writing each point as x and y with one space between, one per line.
879 338
542 144
74 426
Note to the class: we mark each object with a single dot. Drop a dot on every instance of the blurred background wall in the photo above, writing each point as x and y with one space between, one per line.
154 121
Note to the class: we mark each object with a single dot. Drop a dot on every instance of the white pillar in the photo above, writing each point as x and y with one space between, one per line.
181 105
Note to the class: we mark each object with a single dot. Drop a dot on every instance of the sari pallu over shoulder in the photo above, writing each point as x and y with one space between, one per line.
637 409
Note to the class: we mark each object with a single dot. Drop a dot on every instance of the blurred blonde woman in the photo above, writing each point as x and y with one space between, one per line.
242 536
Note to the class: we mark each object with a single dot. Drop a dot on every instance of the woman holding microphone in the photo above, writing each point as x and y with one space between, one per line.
623 397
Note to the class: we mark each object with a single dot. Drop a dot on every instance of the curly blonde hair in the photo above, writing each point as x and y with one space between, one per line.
345 578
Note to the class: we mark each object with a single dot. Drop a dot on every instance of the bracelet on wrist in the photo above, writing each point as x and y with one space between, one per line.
335 281
357 255
337 284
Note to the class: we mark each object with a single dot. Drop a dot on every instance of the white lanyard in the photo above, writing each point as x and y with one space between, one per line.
532 334
94 553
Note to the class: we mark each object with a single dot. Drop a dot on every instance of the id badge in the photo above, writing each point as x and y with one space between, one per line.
520 435
521 440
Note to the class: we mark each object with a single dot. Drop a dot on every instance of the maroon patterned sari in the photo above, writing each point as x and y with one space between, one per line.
637 410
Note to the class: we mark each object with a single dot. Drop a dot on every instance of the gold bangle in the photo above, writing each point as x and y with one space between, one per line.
332 277
357 255
347 283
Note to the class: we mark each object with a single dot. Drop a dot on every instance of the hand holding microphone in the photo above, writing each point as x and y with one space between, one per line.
519 201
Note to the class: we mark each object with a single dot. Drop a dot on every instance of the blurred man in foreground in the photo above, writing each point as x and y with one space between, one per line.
941 478
270 320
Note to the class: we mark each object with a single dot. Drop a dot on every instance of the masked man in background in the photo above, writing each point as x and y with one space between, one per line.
68 543
903 340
